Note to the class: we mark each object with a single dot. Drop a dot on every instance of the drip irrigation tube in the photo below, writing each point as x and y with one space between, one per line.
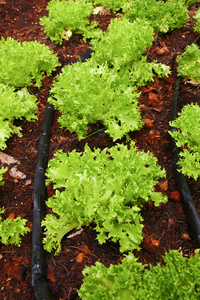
189 208
39 281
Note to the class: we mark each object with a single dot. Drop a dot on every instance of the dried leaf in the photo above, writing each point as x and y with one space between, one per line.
7 159
28 182
16 173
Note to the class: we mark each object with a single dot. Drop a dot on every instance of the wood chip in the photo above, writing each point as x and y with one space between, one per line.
186 236
175 196
79 258
163 186
150 244
152 99
11 216
162 51
75 233
148 123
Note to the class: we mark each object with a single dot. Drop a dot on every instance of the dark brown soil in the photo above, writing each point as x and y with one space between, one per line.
165 226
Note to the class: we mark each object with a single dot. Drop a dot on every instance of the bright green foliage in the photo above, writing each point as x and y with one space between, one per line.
188 64
163 16
105 187
187 2
10 230
179 279
197 17
141 73
14 105
87 94
68 17
21 63
188 137
124 42
2 171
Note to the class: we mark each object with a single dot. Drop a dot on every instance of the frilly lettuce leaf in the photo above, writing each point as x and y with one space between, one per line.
187 137
23 63
14 105
107 187
177 279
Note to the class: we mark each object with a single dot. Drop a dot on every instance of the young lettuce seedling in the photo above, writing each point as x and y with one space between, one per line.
10 230
14 105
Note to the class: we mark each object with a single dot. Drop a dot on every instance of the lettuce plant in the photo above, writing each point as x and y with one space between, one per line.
68 17
118 51
188 64
197 18
107 187
187 137
87 94
21 63
141 72
10 230
2 171
14 105
163 16
187 2
178 279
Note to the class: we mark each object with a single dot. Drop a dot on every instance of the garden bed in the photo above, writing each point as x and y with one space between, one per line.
165 227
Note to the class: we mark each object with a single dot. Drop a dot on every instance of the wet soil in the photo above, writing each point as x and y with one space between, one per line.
165 227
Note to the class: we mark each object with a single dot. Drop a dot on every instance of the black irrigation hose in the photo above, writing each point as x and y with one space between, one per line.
190 210
39 281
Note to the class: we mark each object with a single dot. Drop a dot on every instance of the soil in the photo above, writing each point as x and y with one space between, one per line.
165 227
